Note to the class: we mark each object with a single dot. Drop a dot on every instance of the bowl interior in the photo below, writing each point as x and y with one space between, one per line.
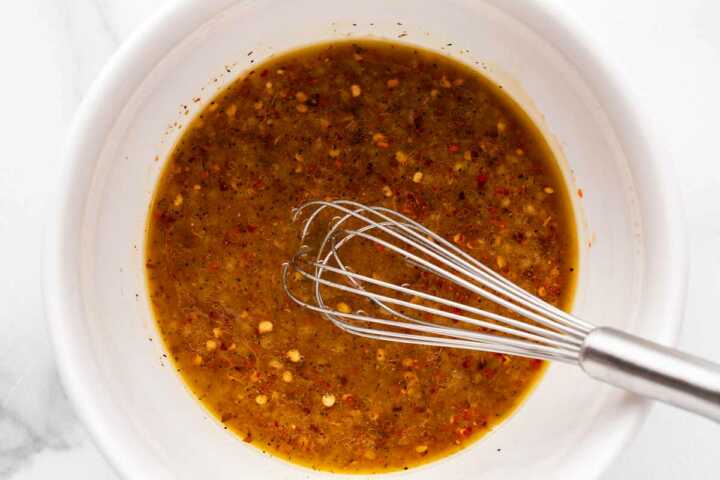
140 409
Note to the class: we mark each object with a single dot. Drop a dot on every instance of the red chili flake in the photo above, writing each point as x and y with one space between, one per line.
489 373
248 438
264 73
465 431
379 248
481 180
535 363
258 184
466 362
455 310
204 174
338 163
214 266
498 223
454 148
501 191
580 193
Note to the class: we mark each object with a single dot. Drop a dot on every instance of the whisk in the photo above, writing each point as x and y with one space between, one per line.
534 329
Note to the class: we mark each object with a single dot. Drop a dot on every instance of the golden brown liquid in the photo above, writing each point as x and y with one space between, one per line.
382 124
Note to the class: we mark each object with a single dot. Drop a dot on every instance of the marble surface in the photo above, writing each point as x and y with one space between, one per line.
51 50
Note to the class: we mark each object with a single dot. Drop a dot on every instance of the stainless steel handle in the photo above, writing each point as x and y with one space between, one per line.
652 370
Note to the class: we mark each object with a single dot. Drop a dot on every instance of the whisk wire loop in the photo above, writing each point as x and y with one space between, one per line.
544 331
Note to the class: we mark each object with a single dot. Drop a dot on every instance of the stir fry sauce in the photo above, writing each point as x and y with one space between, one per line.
382 124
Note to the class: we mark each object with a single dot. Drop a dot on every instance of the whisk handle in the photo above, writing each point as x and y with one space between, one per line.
652 370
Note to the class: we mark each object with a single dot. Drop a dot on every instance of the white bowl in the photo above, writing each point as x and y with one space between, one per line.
110 356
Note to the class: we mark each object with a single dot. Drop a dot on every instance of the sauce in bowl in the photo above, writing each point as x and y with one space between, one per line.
383 124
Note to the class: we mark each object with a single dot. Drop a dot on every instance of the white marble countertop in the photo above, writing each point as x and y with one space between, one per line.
51 50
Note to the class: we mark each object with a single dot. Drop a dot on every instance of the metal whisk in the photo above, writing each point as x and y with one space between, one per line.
534 329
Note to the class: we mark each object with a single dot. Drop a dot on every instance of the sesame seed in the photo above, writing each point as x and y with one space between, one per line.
265 327
294 355
231 110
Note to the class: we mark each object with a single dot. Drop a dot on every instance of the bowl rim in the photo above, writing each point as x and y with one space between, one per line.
124 73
